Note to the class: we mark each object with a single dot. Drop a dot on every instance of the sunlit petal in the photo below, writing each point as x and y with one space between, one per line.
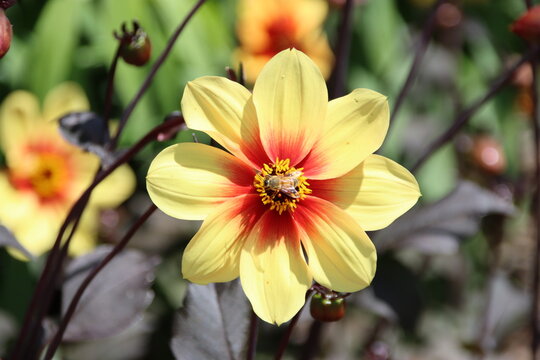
341 255
273 271
374 193
355 127
224 110
188 180
213 255
291 98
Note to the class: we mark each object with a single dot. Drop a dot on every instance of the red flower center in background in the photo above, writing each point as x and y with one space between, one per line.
281 35
46 173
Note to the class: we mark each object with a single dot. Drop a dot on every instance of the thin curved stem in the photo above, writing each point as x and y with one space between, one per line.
253 332
148 81
342 51
84 285
418 56
464 116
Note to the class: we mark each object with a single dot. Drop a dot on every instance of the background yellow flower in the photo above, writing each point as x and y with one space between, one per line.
265 28
45 174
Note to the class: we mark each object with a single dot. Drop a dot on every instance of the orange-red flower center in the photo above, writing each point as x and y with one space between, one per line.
281 186
281 35
46 172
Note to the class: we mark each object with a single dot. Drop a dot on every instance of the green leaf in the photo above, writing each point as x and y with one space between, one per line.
56 35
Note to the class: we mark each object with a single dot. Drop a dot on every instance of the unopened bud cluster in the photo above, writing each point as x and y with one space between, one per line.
135 47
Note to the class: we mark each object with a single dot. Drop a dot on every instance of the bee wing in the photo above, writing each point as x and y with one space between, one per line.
290 191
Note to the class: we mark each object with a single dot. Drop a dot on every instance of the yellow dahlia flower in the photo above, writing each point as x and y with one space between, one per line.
292 200
265 28
45 174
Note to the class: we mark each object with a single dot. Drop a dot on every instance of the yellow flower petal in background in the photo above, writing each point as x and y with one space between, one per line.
273 271
213 255
188 180
374 193
291 99
355 127
19 114
115 189
223 110
65 98
341 255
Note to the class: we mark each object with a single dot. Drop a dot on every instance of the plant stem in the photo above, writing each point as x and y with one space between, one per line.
311 347
464 116
253 331
343 48
148 81
84 285
110 85
418 56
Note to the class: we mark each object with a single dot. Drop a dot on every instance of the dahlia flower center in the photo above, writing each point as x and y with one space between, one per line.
46 174
281 33
281 186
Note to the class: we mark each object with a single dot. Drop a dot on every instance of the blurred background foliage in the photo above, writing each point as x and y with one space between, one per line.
451 286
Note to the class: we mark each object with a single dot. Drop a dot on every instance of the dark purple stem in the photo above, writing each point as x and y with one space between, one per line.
418 56
464 116
311 347
110 84
84 285
342 51
252 340
148 81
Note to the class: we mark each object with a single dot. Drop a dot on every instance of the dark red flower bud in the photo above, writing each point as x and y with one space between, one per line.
326 309
528 25
5 33
135 47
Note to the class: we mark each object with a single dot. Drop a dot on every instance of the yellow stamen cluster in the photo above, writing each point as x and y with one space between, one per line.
281 186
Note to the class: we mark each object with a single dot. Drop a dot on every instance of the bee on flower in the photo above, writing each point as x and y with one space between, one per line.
265 28
45 174
290 201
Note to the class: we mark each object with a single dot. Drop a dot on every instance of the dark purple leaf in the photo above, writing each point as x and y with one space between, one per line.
437 228
213 324
115 299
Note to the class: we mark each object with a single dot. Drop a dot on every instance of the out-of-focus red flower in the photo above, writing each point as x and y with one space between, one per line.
528 25
5 33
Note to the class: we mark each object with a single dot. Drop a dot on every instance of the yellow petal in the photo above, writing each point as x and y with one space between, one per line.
355 127
115 189
223 109
273 271
65 98
291 99
374 193
19 114
341 255
213 255
188 180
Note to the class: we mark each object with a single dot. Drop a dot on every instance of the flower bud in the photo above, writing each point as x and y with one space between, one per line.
528 25
327 309
5 33
135 47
